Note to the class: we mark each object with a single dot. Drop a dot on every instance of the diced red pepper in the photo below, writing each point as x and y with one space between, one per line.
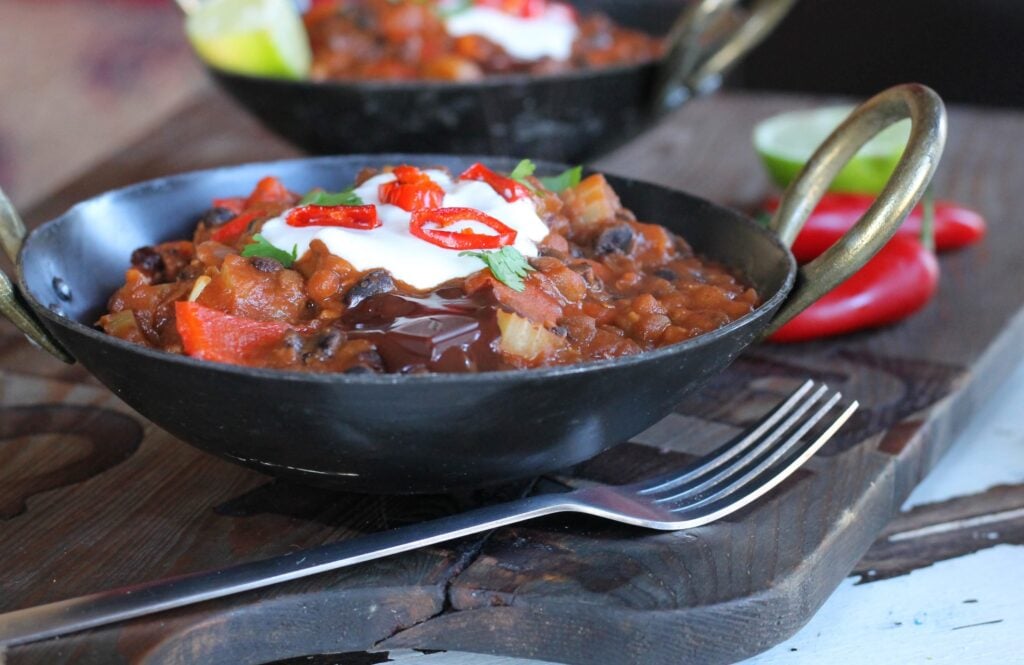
210 334
233 229
523 8
465 239
531 303
955 225
363 217
411 190
894 284
269 190
235 204
508 188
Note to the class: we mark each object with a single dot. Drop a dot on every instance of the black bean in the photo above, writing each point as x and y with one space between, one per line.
147 259
616 239
561 331
216 216
374 283
325 346
266 264
666 274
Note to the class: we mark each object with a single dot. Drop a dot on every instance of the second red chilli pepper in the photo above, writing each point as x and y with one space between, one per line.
894 284
955 225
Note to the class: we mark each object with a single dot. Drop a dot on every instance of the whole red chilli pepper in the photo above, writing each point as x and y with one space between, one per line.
955 225
895 283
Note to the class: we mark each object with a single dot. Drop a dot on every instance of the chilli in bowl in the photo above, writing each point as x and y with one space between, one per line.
465 40
415 270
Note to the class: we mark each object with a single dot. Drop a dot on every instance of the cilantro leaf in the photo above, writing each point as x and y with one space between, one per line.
523 170
507 265
319 197
262 247
564 180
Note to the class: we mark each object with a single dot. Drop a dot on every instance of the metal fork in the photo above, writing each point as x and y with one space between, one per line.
736 474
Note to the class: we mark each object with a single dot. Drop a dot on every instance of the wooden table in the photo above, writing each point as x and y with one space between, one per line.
179 510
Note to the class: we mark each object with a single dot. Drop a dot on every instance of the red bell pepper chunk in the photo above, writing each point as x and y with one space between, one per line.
955 225
411 190
269 190
210 334
465 239
894 284
508 188
233 229
363 218
235 204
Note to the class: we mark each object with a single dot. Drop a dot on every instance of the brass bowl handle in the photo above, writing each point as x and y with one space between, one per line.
12 232
904 189
689 68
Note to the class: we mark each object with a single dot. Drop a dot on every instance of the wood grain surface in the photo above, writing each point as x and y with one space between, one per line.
93 497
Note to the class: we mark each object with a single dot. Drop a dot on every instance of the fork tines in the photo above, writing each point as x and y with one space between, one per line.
756 461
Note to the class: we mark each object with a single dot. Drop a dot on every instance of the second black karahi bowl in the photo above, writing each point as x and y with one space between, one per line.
423 433
564 117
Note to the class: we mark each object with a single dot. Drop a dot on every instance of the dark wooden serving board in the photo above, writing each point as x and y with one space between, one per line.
93 497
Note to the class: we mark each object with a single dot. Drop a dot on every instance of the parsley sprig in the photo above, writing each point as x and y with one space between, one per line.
564 180
522 171
558 183
262 247
319 197
507 264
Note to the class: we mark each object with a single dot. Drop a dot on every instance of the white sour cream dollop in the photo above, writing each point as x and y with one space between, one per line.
549 35
418 263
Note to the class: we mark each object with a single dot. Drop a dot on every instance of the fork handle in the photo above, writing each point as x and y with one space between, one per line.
107 607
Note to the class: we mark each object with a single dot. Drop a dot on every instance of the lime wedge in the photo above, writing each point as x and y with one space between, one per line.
785 142
258 37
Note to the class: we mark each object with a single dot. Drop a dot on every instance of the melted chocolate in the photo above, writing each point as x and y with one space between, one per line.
443 331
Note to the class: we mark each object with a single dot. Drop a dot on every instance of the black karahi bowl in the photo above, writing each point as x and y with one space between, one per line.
562 117
434 432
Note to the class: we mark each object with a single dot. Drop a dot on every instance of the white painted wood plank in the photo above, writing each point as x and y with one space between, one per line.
961 611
